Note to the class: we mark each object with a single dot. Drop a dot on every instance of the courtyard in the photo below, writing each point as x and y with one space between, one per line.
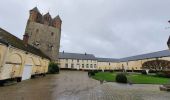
76 85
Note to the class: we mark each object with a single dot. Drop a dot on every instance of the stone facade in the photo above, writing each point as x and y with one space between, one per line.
44 32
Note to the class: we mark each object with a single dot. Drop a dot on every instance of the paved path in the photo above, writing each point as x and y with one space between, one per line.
74 85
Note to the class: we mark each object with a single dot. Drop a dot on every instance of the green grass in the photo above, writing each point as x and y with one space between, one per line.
133 78
109 77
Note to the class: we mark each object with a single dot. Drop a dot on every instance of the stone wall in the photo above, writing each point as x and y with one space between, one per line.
45 38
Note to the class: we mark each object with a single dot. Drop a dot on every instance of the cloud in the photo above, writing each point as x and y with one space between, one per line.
106 28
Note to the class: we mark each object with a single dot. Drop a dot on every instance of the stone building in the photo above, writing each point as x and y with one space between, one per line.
23 59
44 32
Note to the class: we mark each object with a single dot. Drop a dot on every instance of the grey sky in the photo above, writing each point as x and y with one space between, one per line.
106 28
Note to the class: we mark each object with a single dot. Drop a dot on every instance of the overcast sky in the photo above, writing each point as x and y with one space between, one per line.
106 28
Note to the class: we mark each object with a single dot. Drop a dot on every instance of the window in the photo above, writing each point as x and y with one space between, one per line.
37 30
82 65
66 65
72 65
77 60
78 66
91 66
109 63
52 33
94 65
87 66
50 47
66 60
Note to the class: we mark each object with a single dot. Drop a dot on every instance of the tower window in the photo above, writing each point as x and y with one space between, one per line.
37 30
52 33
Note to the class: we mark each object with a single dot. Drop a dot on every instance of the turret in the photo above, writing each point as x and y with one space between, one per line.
34 14
47 19
57 22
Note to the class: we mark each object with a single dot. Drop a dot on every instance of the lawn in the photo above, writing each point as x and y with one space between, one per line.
133 78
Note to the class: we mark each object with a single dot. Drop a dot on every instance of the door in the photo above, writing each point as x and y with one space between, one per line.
27 72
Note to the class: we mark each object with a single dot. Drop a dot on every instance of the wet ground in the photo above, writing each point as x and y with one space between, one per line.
75 85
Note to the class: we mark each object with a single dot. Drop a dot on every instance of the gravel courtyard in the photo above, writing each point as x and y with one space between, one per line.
75 85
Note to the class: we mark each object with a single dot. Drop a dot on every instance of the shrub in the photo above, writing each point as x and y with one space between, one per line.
163 74
91 73
96 71
144 72
121 78
160 74
153 71
53 68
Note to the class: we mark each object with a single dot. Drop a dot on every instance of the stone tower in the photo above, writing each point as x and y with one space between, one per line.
43 32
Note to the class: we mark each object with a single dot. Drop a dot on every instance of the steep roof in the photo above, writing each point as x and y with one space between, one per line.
163 53
35 9
107 60
57 17
76 56
47 15
9 39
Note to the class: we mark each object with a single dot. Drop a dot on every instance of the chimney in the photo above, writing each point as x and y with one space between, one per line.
63 52
85 53
25 39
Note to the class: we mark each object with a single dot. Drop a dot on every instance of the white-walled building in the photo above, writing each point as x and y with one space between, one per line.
77 61
138 62
107 63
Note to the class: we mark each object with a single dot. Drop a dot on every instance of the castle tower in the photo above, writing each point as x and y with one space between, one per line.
44 32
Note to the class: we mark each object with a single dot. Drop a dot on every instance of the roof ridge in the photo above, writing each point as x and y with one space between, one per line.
143 54
76 53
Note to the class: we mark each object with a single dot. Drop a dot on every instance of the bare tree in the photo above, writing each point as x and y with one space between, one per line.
156 65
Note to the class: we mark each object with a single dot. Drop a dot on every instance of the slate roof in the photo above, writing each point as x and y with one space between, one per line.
9 39
159 54
163 53
107 60
76 56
